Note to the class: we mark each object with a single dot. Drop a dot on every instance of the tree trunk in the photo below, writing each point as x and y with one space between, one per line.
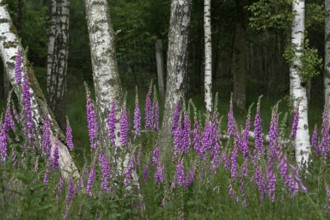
298 87
19 17
58 51
239 65
208 56
9 46
160 67
327 57
177 55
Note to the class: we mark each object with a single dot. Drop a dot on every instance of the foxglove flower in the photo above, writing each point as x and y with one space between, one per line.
105 171
260 181
90 182
259 144
231 124
273 136
46 142
18 68
148 110
180 174
176 117
295 123
124 127
71 193
178 140
186 134
128 171
9 122
56 156
190 178
232 193
327 192
60 186
112 123
324 148
155 156
92 123
159 175
314 141
3 143
234 163
27 107
46 176
68 134
137 117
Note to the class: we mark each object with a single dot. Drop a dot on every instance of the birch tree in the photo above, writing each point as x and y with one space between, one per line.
297 86
177 55
9 47
327 56
106 79
208 56
58 51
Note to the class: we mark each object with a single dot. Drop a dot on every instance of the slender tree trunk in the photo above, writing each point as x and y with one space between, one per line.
208 56
19 17
9 46
239 66
160 67
106 79
327 57
58 51
177 55
298 87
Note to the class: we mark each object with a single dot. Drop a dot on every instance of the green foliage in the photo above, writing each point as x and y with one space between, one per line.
272 15
311 62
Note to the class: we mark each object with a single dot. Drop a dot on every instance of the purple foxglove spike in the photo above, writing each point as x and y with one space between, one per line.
105 171
180 174
112 124
18 68
196 137
128 171
148 110
3 143
186 134
92 123
71 193
56 156
27 107
137 119
178 140
68 134
324 147
159 175
124 127
46 142
234 163
60 186
231 124
295 123
90 182
155 156
259 144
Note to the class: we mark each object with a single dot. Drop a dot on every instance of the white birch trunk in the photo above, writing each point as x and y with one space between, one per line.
327 57
9 46
177 55
58 51
298 88
105 73
208 56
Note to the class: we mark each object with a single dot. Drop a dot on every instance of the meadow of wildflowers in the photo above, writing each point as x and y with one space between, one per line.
216 170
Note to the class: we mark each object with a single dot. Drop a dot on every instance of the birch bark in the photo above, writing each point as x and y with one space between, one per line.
9 46
208 56
58 51
297 86
177 55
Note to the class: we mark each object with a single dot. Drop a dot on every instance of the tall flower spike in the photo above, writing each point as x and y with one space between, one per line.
196 136
258 141
27 107
112 123
71 193
137 115
180 178
155 108
124 127
46 143
146 172
186 134
92 122
3 143
231 124
128 171
148 109
159 175
105 171
56 156
18 68
90 182
314 140
324 148
295 123
155 156
68 134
